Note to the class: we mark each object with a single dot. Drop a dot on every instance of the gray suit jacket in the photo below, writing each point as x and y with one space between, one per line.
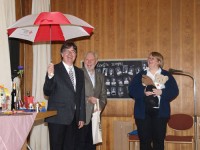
99 91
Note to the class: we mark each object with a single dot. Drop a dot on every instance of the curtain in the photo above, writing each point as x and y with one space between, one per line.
7 11
39 137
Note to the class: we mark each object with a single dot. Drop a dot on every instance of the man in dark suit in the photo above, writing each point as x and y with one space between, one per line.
94 90
64 84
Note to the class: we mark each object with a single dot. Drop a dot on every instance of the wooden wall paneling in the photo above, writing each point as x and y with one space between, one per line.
108 37
23 8
132 29
18 9
108 131
19 14
187 36
92 12
84 13
55 52
148 27
143 6
121 30
175 61
28 51
164 30
105 31
64 6
197 51
26 6
28 65
118 108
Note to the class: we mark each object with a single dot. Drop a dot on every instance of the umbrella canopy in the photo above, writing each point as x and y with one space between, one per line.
49 26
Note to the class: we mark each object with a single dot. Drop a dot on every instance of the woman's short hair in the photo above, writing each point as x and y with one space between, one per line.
159 57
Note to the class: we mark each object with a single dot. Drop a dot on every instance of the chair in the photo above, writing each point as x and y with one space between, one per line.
132 138
180 123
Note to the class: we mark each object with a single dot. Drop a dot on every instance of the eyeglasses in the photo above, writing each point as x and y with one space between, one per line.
151 58
67 51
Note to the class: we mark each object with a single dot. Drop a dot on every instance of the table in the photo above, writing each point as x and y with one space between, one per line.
14 129
43 115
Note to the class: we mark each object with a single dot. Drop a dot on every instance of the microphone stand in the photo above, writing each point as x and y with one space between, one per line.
178 72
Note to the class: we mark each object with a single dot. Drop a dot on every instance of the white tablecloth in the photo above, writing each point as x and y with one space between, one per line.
14 130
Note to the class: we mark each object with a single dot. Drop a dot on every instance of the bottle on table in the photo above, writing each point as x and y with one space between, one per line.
14 96
17 103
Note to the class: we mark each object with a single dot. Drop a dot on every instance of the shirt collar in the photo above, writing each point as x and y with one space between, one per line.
151 75
158 71
90 73
67 67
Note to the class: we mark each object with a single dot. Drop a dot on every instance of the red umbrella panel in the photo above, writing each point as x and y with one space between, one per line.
49 26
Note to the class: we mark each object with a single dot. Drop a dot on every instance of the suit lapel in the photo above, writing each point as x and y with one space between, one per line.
97 81
77 77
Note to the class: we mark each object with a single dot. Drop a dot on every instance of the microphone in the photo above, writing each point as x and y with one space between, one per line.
175 71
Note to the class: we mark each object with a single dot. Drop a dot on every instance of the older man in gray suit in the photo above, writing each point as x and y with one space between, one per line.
94 90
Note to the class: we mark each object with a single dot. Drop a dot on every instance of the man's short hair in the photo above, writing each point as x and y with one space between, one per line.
67 45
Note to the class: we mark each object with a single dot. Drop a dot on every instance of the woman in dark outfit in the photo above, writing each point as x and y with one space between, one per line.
152 122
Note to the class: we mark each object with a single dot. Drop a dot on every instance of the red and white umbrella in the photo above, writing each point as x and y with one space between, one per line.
49 26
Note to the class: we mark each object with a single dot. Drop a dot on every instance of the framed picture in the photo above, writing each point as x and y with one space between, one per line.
118 74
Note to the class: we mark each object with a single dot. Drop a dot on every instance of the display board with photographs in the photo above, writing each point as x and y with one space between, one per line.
118 74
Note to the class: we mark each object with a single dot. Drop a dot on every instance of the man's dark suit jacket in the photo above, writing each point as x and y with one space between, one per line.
62 96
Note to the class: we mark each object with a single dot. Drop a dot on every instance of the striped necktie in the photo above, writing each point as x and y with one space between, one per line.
71 75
